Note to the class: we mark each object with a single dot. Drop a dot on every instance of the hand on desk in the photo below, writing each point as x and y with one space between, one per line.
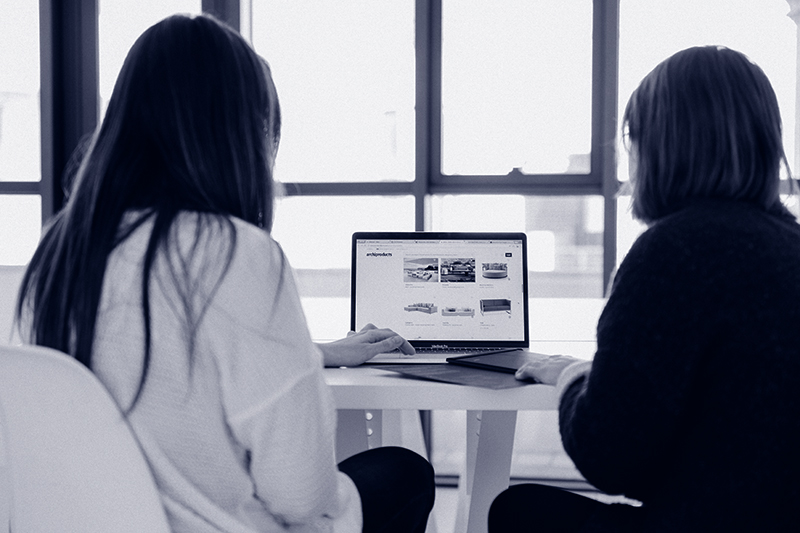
360 347
545 370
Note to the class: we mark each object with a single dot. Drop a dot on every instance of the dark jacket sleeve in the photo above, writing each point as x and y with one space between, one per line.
619 423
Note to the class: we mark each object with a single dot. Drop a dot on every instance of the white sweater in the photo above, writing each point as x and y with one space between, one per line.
242 438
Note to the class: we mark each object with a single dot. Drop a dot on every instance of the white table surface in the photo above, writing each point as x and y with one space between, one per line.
372 388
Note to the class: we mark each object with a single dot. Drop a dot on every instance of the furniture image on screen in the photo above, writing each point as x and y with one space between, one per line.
424 275
458 311
495 304
494 270
422 308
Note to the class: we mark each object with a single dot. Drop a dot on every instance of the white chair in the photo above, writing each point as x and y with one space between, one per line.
68 460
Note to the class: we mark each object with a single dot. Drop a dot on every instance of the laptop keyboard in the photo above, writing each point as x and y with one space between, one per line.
456 351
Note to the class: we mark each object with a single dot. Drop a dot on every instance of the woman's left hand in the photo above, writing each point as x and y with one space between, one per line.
359 347
545 370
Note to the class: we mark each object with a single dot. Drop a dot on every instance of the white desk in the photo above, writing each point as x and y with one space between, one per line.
375 404
557 326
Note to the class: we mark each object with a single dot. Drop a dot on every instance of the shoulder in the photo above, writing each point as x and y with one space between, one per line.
211 237
257 263
191 225
235 266
716 219
257 254
245 278
714 229
710 247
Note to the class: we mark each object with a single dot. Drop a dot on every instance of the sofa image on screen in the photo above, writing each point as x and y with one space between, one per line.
424 275
494 270
422 308
458 311
495 304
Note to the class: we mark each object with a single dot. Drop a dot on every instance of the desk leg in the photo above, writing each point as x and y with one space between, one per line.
351 433
358 430
490 443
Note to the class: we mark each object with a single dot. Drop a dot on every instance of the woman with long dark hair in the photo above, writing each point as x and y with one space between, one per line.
160 276
691 403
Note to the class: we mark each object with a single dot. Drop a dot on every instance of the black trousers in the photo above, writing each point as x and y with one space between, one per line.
530 507
396 486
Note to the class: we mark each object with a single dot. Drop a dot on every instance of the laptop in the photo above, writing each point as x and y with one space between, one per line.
449 294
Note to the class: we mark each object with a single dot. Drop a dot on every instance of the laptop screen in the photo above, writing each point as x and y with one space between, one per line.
450 289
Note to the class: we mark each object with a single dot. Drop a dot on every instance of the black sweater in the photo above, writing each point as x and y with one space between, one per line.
692 405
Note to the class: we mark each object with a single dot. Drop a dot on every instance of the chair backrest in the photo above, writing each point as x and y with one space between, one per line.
68 459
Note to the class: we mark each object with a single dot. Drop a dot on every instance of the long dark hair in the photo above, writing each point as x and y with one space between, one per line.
704 123
192 125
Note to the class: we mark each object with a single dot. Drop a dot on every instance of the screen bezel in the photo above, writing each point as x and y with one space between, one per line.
436 235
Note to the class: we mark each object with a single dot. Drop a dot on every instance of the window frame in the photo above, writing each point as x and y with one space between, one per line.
70 109
68 64
429 179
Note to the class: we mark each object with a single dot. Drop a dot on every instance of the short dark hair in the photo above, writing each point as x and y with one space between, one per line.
704 123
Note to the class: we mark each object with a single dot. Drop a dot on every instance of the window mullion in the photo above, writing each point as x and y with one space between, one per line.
605 88
227 11
69 88
428 46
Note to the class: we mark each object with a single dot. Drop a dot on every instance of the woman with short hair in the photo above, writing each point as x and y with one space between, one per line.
690 404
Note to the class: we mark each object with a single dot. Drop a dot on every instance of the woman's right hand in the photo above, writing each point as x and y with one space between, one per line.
545 369
359 347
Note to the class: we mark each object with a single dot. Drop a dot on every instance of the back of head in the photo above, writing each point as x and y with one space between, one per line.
192 125
704 123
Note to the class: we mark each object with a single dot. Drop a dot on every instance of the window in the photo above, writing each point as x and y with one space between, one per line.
321 258
668 27
345 78
516 86
760 29
20 227
565 236
457 108
409 115
20 155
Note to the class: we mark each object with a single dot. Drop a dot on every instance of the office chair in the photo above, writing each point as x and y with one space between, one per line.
68 460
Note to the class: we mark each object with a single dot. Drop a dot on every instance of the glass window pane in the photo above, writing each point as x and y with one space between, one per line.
652 30
345 77
792 202
20 227
20 139
565 236
516 86
120 24
315 232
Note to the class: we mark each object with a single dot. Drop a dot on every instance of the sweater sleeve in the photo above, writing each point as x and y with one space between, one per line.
619 421
279 409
